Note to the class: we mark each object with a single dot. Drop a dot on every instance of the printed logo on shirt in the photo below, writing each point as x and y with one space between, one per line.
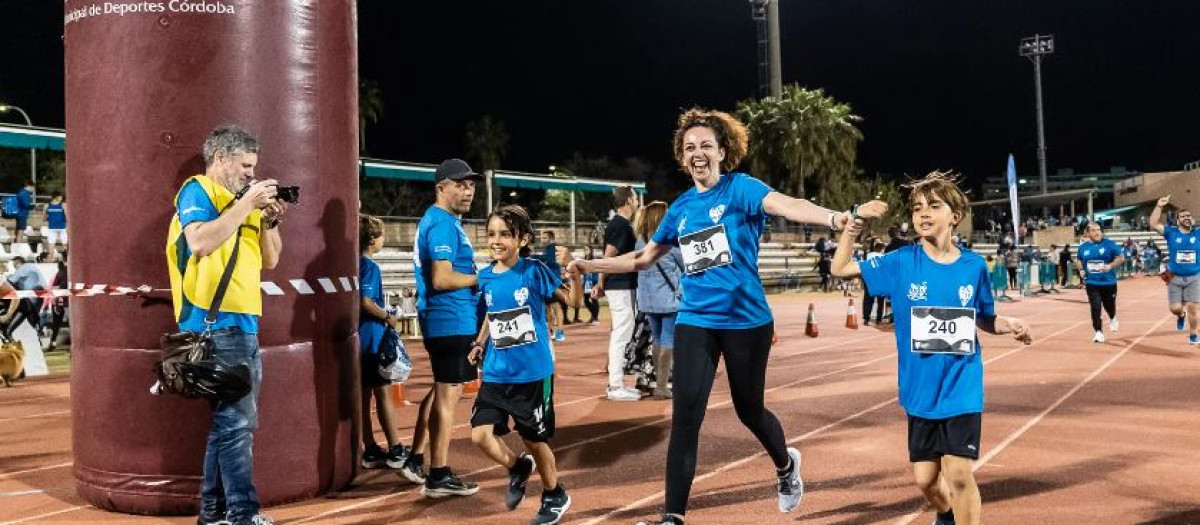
1179 240
965 293
521 295
1101 251
917 293
682 222
191 210
716 212
488 298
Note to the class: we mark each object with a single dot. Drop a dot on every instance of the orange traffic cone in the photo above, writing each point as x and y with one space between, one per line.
810 326
851 316
398 398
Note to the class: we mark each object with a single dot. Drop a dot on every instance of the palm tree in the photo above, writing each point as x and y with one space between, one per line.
487 142
370 109
806 132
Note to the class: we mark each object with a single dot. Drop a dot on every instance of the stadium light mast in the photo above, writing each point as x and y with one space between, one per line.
766 19
1034 48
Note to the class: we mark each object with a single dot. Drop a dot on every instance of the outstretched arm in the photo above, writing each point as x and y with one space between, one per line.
998 324
631 262
803 211
1156 215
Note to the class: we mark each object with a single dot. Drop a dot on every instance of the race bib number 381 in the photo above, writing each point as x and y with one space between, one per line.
704 249
943 330
511 327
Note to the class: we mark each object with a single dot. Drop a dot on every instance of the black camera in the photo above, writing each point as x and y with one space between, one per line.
289 194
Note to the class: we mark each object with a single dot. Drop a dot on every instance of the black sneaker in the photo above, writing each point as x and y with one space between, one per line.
448 485
396 457
413 469
373 457
667 519
212 519
554 505
518 477
791 486
257 519
944 518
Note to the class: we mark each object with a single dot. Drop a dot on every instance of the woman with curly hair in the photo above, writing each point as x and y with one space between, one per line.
723 311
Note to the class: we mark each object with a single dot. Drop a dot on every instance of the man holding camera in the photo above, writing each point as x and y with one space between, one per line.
226 219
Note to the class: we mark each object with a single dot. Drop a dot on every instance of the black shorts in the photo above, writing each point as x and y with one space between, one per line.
448 358
930 439
530 405
370 372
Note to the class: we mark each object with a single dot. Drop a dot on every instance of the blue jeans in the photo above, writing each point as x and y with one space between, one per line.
228 460
662 329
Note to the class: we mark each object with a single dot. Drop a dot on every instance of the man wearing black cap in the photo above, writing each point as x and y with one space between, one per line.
444 263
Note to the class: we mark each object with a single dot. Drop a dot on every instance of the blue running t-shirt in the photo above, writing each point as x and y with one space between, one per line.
717 232
518 349
440 237
935 383
1182 249
1093 255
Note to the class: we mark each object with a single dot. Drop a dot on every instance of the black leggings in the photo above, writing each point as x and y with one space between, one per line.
593 306
1012 278
1106 295
697 352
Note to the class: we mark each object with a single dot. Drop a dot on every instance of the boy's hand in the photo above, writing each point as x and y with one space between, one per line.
1018 329
476 355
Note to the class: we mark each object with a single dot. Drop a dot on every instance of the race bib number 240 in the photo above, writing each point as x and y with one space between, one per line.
943 330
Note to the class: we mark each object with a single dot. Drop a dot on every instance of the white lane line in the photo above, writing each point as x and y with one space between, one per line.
907 519
31 416
15 473
595 439
46 515
658 495
31 399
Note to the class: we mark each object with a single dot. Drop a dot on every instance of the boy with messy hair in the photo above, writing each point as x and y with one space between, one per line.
940 296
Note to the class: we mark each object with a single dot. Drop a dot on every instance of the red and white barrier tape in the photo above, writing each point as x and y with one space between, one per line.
325 285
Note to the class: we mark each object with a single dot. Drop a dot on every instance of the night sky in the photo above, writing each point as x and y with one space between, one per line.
939 82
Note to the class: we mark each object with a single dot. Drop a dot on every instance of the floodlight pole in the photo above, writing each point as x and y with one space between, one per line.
1034 48
765 14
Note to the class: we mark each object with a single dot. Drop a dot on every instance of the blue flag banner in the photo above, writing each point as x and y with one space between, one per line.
1012 198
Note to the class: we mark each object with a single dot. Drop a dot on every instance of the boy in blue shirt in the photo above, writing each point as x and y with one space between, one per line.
1098 259
940 295
518 363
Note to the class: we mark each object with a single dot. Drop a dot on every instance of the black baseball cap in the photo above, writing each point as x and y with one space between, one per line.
455 169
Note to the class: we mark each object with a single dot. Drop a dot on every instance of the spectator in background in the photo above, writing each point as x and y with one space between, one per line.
619 239
899 238
24 206
1012 261
25 277
373 322
821 246
408 311
589 282
871 301
58 308
658 296
548 258
1064 264
56 222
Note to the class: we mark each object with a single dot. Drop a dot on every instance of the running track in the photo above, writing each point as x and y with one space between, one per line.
1074 433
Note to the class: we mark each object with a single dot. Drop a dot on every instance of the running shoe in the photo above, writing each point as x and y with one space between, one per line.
448 485
257 519
560 336
667 519
518 477
623 394
1194 339
397 456
1099 337
414 469
946 518
791 487
206 519
1113 325
373 457
554 505
1179 324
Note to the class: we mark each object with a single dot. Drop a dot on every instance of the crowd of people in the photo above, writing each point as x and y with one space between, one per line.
686 271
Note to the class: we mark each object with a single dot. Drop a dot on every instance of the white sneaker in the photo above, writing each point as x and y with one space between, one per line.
791 487
623 394
1113 325
1099 337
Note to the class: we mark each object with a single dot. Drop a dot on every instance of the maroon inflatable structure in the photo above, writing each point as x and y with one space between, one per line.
146 81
